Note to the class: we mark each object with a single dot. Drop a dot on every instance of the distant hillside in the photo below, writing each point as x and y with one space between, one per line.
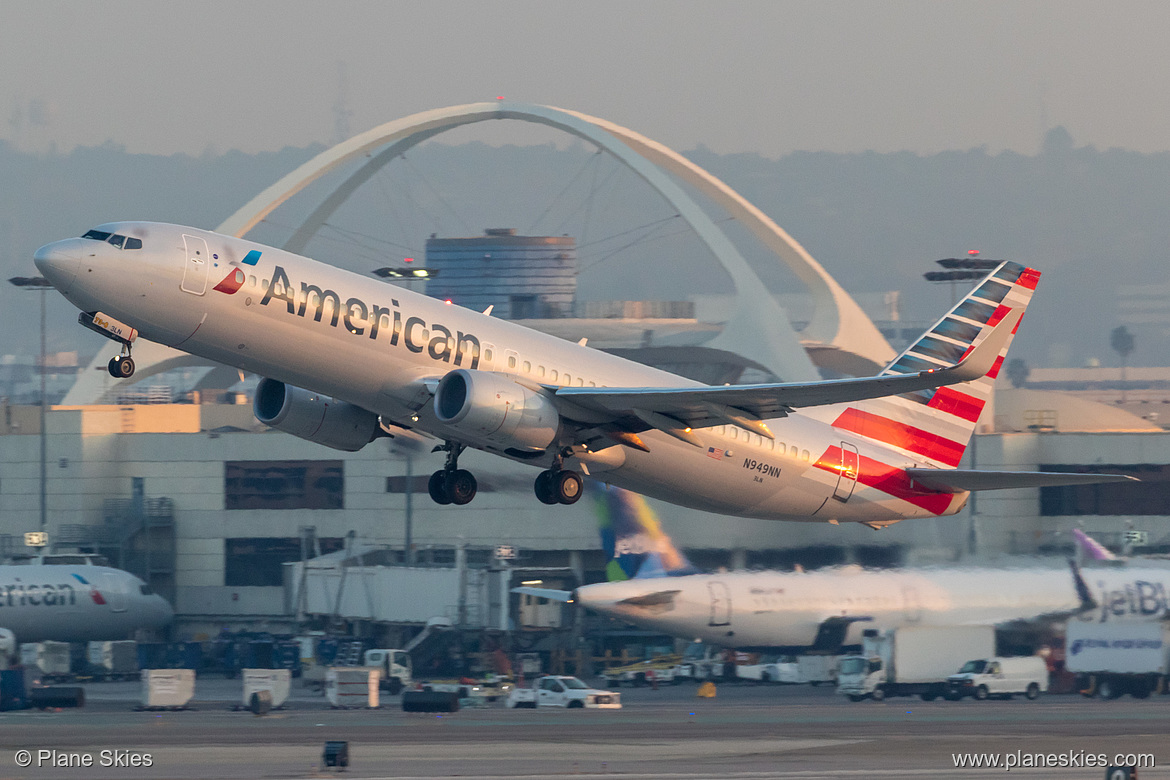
1090 220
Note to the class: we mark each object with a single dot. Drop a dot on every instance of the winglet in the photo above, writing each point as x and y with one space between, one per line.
983 355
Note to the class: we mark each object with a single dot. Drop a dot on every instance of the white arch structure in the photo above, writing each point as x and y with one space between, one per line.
759 328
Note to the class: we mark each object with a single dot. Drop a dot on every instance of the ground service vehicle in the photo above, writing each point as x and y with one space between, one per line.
1119 657
561 691
395 666
659 670
1000 677
771 668
911 661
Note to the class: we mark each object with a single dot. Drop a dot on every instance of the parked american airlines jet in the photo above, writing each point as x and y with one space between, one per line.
76 603
375 358
824 609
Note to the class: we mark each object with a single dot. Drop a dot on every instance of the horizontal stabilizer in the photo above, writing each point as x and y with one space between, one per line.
545 593
958 480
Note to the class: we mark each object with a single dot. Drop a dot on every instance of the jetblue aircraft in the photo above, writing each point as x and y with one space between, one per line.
653 586
347 359
76 603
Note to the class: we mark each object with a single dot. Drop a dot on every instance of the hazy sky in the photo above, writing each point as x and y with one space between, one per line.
763 76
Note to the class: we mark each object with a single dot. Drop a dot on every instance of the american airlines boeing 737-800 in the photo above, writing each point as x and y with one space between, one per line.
347 359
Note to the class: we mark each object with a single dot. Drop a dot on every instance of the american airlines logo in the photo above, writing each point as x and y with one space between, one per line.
43 595
360 318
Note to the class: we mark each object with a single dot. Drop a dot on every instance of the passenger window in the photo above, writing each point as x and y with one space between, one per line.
568 380
487 355
734 432
511 361
527 366
133 243
794 450
805 456
580 382
592 384
251 281
540 371
771 444
553 375
117 240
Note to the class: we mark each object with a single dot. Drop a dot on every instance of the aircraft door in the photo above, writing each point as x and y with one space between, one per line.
110 587
720 604
847 479
195 265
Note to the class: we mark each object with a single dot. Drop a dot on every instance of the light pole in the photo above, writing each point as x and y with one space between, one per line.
42 285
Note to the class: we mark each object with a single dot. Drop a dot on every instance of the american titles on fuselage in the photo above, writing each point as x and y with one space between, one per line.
373 320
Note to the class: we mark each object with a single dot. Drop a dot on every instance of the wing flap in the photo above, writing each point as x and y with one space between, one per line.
959 480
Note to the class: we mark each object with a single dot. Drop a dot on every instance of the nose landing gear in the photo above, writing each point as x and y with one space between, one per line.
451 484
121 366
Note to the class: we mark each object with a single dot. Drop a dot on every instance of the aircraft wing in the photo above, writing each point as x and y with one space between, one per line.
680 407
546 593
959 480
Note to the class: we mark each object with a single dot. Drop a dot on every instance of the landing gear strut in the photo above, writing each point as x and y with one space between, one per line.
451 484
558 485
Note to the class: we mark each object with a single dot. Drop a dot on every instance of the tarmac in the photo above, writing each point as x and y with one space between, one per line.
746 731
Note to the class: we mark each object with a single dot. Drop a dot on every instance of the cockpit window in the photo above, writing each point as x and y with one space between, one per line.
116 239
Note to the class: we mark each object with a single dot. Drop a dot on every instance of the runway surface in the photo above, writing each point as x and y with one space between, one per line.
747 731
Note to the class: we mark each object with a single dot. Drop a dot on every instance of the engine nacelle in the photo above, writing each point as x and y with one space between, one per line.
496 410
315 417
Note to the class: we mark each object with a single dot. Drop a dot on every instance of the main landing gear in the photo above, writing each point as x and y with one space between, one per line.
560 486
451 484
121 366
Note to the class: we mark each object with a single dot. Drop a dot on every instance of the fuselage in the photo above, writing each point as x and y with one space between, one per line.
382 348
77 603
787 609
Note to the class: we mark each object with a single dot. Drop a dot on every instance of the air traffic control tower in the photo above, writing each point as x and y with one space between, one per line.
523 277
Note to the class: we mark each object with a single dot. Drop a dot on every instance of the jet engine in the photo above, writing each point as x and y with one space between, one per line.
496 410
318 418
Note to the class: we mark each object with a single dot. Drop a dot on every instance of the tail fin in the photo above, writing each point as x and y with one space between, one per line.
937 424
1093 549
633 540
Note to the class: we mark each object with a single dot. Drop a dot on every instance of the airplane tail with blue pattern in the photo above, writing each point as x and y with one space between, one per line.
633 540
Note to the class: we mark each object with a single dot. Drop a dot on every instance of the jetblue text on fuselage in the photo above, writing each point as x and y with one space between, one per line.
1138 598
360 318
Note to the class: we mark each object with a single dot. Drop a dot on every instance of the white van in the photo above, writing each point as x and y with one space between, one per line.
1002 677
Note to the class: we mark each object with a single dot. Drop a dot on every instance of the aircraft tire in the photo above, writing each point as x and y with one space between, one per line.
437 487
461 487
544 488
121 367
568 486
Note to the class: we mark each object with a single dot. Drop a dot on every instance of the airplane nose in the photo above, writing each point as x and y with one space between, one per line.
58 262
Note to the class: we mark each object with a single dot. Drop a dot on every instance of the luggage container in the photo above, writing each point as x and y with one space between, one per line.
352 686
275 681
51 659
113 660
14 689
167 688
